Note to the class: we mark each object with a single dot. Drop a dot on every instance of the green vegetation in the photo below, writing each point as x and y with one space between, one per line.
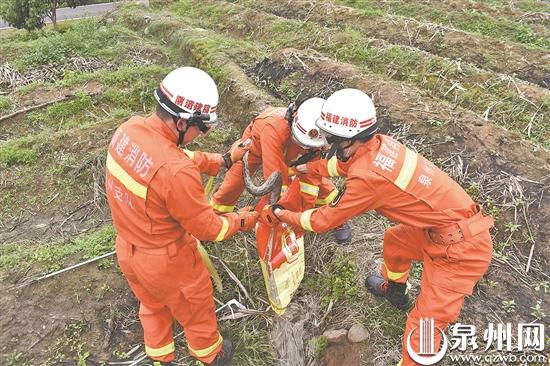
70 345
81 39
18 151
484 93
53 256
474 21
5 103
338 281
319 344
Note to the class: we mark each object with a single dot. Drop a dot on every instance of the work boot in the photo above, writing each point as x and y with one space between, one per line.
396 293
342 233
224 357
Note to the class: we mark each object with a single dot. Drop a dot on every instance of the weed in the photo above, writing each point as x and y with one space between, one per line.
492 283
52 256
474 191
84 38
538 311
5 103
18 151
16 358
70 343
543 286
509 305
63 114
319 345
338 281
532 5
71 78
512 227
436 122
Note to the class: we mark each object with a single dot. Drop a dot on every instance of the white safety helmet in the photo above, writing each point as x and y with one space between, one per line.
348 114
187 91
304 128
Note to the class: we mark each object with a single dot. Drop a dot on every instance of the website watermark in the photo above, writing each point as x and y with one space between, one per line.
497 344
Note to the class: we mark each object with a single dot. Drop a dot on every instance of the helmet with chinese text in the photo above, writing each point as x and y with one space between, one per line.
188 90
348 114
304 128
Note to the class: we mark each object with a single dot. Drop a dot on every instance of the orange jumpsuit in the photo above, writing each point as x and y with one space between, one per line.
400 184
274 149
160 212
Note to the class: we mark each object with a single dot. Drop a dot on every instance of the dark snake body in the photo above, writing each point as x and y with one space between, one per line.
272 184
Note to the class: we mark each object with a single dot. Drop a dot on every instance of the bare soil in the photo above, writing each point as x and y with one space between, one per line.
527 64
93 305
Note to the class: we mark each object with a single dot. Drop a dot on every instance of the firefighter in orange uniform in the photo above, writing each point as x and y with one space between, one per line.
281 139
438 223
160 213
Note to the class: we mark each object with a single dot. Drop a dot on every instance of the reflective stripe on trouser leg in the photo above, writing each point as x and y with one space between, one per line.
207 351
157 332
400 277
193 305
402 245
161 351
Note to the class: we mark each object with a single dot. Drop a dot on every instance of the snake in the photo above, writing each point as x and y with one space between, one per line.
272 183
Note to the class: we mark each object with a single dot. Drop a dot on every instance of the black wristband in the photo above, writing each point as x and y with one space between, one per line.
227 160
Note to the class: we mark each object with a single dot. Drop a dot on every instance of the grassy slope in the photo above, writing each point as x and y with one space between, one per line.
37 150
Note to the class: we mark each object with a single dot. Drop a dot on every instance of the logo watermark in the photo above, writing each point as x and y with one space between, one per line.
463 338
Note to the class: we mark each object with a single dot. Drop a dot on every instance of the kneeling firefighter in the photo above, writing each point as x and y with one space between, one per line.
160 213
282 139
438 223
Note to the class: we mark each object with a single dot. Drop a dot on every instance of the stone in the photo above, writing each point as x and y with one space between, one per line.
335 336
357 333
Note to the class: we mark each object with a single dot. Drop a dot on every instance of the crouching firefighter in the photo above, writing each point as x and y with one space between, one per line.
282 139
160 213
438 223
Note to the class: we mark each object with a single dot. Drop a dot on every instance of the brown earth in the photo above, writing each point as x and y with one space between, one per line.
78 306
527 64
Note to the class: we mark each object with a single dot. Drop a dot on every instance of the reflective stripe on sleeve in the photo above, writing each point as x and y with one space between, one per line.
205 352
407 170
223 230
309 188
221 208
328 199
130 183
162 351
305 219
190 154
332 167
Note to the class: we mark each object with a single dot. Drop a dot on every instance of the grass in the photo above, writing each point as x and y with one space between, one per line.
6 103
53 256
478 92
339 280
18 152
69 345
84 38
476 22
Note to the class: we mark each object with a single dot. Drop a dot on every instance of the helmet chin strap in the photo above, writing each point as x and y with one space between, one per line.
181 133
336 149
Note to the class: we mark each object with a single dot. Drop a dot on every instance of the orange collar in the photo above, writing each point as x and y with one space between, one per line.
159 126
371 145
